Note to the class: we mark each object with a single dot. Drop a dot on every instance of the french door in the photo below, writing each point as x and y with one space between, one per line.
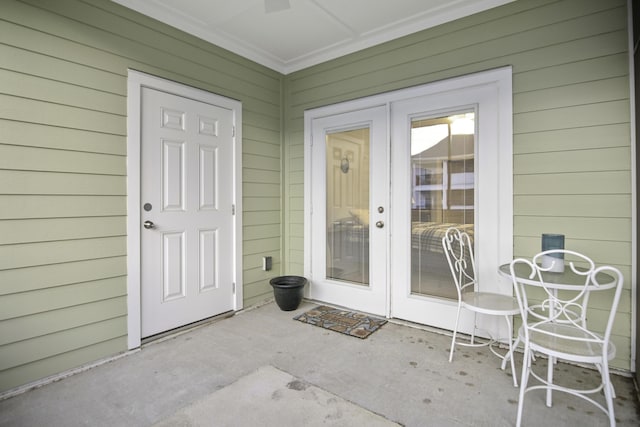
446 172
349 202
373 242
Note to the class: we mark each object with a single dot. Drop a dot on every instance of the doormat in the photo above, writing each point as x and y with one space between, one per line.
347 322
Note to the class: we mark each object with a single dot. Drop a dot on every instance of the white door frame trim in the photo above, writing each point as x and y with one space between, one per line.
135 82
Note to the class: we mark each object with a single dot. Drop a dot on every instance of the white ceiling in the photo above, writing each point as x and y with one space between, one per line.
304 32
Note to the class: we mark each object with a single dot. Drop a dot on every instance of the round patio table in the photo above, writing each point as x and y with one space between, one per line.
559 281
556 281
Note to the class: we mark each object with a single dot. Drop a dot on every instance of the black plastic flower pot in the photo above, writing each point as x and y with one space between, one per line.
288 291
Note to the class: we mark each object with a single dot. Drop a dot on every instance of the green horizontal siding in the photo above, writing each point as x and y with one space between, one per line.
46 322
35 135
26 59
55 229
45 159
31 350
43 112
63 166
583 228
31 182
571 122
44 301
604 206
574 161
48 206
604 136
582 182
39 369
575 116
33 254
263 217
52 275
38 88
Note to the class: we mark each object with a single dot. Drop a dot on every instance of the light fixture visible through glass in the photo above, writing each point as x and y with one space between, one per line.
425 137
344 165
463 124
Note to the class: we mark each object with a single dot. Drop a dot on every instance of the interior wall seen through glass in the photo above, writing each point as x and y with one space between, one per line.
348 205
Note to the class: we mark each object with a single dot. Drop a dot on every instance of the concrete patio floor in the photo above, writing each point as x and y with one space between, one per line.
400 374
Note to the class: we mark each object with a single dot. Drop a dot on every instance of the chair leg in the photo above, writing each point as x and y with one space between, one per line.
608 391
515 346
613 390
510 353
475 327
526 368
551 363
455 332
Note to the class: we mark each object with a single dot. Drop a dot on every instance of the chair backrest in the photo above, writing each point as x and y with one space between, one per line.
458 249
547 297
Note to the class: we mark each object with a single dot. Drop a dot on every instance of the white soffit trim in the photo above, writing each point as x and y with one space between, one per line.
323 30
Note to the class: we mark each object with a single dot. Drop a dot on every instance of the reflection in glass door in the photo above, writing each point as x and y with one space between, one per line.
451 166
349 194
442 196
348 205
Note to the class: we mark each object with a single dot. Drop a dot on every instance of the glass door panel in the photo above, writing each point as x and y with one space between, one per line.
451 165
348 205
349 184
442 196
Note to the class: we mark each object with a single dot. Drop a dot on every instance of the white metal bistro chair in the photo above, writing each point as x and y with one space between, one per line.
459 252
554 307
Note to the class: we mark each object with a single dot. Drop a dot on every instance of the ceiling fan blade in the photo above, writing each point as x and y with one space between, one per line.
276 5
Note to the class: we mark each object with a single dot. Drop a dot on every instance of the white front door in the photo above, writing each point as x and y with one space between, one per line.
349 180
187 233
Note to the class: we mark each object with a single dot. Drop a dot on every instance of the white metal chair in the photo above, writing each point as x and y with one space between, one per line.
554 308
459 252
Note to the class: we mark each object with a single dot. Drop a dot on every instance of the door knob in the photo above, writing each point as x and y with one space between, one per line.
379 224
148 225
